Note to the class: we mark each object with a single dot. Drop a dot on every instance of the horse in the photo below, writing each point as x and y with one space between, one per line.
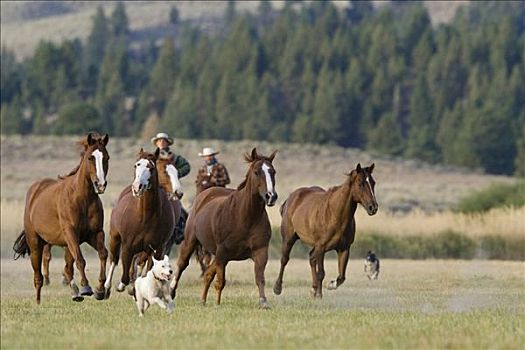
169 181
142 220
232 224
67 212
325 221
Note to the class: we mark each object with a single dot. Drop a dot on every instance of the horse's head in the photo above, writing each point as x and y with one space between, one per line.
262 175
362 188
168 175
145 172
97 158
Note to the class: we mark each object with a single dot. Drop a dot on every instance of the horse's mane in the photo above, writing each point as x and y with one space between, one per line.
251 158
82 146
74 170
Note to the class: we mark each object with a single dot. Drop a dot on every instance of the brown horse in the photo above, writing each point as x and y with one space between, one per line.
232 225
324 220
67 212
169 181
141 221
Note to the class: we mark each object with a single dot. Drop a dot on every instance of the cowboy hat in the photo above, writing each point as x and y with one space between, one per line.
208 151
162 135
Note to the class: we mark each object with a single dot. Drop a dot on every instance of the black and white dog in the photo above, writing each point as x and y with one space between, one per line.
371 266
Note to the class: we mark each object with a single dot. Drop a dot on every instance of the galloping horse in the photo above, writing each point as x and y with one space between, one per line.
142 220
169 181
67 212
232 225
324 220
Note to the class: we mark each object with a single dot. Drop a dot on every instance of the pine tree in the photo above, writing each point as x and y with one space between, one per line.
163 76
119 20
386 137
420 143
96 44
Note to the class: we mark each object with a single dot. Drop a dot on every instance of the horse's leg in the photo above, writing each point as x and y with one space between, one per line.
319 257
36 246
209 275
342 262
288 242
126 263
74 248
68 275
220 282
187 248
114 255
97 242
46 258
313 267
260 259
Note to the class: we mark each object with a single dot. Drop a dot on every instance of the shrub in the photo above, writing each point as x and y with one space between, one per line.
493 197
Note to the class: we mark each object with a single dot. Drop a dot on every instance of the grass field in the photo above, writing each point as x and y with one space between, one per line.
414 304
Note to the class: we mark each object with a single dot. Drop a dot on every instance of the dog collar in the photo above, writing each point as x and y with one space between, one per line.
158 279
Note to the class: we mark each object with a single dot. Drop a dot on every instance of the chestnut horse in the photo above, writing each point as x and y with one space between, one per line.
232 225
324 220
141 221
169 181
67 212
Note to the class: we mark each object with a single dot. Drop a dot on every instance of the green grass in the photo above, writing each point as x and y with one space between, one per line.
414 304
495 196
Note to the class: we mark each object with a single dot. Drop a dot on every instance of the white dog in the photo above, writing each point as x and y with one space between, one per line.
154 287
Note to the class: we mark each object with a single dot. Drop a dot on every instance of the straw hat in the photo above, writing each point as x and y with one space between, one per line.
162 135
208 151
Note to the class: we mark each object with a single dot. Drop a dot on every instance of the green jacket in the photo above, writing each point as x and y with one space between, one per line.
182 165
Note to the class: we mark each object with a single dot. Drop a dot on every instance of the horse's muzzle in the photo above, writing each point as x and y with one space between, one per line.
372 209
271 198
99 189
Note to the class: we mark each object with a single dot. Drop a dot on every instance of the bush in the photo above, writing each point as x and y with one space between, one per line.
78 118
494 196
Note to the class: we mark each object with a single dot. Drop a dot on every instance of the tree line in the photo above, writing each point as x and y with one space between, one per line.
382 79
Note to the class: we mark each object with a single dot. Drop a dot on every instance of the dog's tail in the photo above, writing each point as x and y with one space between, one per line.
21 248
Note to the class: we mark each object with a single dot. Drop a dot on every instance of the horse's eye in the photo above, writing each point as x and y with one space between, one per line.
256 173
91 158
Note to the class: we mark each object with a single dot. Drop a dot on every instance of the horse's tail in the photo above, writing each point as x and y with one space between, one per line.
21 247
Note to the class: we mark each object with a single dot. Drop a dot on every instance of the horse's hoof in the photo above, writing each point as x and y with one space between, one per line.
99 294
108 293
86 291
277 289
172 294
46 281
263 304
121 286
77 298
131 289
313 292
332 285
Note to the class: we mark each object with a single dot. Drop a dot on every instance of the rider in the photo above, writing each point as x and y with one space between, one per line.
163 142
212 173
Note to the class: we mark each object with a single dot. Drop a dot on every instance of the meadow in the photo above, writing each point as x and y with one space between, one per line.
414 304
425 303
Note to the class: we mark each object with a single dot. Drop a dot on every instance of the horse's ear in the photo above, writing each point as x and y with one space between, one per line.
254 154
371 168
90 139
105 140
358 167
272 156
156 154
140 152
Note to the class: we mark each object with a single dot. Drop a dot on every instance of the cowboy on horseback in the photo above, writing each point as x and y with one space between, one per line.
212 173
